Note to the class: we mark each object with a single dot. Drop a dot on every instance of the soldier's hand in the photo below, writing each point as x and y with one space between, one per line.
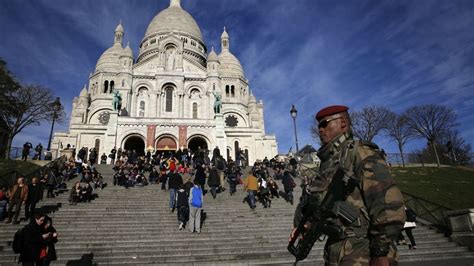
306 228
379 261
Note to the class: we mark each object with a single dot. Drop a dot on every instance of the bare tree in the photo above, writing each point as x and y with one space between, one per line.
367 123
33 104
398 129
454 147
430 121
8 84
315 131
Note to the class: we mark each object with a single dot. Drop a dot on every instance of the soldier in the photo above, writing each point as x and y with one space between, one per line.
354 173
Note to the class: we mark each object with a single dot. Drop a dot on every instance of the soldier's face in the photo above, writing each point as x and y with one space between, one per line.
330 127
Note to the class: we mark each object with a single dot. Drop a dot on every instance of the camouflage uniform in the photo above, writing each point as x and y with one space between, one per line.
378 201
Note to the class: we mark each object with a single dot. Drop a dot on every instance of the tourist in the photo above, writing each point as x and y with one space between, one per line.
232 177
103 158
17 196
48 251
251 186
86 193
33 241
200 176
51 183
288 186
182 204
35 194
409 225
175 180
38 151
3 203
213 181
195 207
75 195
26 150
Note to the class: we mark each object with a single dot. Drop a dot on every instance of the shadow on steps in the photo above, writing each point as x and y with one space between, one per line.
85 260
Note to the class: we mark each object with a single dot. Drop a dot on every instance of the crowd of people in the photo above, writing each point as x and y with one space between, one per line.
188 176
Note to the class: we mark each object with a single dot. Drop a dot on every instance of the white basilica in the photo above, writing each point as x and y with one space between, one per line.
168 93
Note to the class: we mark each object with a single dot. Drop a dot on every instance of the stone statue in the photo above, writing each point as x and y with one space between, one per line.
217 102
117 102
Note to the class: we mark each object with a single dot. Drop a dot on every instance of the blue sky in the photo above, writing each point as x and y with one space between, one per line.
310 53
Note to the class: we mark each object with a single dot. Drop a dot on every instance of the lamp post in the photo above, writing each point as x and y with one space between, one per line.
56 108
293 113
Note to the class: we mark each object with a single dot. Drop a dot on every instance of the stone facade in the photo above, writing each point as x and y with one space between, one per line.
168 93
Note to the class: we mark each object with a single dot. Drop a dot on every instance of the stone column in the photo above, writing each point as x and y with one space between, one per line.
183 135
221 138
111 134
150 137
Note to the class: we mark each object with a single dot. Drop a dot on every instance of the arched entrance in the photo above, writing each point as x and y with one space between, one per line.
197 142
135 143
166 143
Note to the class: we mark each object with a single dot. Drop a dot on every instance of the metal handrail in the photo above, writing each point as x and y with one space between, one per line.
9 179
427 210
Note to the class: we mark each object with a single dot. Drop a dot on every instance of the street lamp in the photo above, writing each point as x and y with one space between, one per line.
56 107
293 114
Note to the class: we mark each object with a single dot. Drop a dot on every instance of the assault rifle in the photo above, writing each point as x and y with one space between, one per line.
320 219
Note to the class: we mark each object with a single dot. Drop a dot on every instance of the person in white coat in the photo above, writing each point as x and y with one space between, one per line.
410 224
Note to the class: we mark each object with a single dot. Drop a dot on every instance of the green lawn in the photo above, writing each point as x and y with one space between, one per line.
448 186
24 168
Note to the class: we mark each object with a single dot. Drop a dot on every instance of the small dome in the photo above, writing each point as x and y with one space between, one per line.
110 59
224 34
128 51
174 18
119 28
212 55
230 65
83 92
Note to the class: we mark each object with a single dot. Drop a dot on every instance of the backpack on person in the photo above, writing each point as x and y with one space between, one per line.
411 215
220 165
196 202
18 241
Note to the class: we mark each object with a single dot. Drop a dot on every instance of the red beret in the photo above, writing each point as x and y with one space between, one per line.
331 110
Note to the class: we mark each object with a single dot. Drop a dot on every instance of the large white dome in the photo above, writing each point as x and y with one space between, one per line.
174 18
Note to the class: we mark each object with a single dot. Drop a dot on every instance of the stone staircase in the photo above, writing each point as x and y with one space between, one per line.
135 226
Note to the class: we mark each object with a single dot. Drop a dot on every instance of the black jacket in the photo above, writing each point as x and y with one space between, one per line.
33 241
213 179
174 180
35 193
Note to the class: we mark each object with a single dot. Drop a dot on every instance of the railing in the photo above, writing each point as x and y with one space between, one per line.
16 153
427 210
421 159
7 180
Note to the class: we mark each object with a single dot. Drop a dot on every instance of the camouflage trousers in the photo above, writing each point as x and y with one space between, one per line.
353 251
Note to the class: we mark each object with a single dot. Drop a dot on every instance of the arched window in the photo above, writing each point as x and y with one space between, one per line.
195 110
112 83
123 83
141 110
97 145
226 90
169 100
106 86
232 91
213 86
237 150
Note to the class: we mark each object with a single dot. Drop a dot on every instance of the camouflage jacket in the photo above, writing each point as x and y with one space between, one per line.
374 194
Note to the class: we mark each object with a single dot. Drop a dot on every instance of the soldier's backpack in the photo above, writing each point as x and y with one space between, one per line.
18 241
